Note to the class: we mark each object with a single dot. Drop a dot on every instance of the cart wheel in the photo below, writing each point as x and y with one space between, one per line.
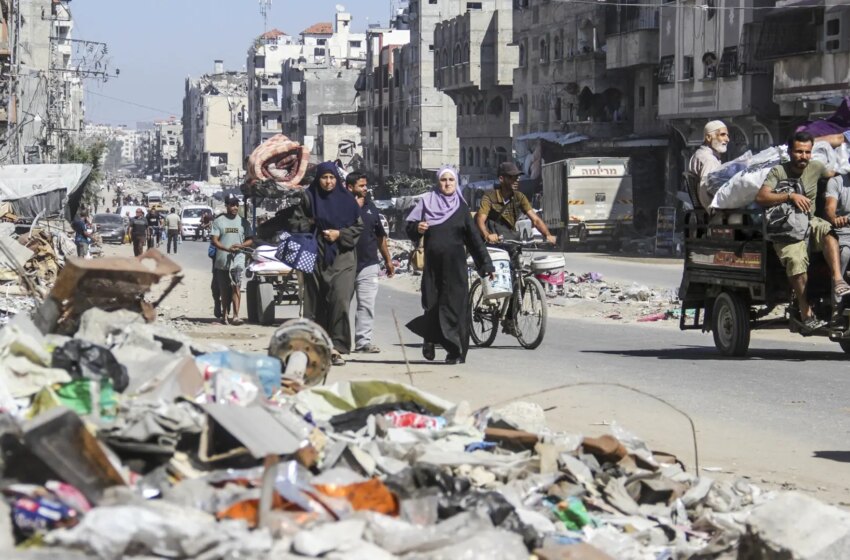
265 303
730 324
251 300
845 345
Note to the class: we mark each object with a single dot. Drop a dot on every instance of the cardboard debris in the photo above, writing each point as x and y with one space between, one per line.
109 284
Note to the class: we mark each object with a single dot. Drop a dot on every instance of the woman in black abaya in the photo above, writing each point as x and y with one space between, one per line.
443 218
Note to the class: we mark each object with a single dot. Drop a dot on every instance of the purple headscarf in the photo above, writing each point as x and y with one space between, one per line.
435 207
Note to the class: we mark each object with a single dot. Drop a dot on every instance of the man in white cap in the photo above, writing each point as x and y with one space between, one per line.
707 157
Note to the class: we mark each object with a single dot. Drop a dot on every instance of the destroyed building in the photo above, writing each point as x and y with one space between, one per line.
214 108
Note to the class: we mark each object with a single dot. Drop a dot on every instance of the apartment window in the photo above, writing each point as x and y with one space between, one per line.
318 52
432 1
544 51
321 42
687 68
559 48
666 69
522 54
432 134
259 62
473 5
355 44
641 96
728 66
265 97
431 48
462 157
833 35
558 114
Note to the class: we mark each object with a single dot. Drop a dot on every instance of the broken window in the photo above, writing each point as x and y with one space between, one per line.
709 66
666 69
641 96
728 63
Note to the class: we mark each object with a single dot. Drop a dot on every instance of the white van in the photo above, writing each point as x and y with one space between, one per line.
190 218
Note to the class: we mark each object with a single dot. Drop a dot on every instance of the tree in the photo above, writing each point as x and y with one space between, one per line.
92 155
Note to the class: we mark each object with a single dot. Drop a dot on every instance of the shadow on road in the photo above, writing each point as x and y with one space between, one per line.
837 456
709 353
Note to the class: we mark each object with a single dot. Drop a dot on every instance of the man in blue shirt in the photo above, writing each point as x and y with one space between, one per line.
372 240
82 233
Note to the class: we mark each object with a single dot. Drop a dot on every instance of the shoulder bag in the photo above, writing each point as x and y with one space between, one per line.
417 256
785 222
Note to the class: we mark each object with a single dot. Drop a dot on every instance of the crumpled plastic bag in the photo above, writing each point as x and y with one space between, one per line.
159 529
84 360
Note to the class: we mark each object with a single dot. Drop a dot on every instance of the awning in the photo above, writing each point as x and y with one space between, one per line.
47 188
562 138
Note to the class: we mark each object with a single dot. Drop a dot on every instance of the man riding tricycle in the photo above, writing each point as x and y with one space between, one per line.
741 266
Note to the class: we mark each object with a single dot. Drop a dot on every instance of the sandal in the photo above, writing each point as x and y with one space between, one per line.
841 289
811 325
368 349
337 359
237 322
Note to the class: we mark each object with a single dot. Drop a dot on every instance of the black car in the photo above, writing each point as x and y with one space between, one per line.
111 227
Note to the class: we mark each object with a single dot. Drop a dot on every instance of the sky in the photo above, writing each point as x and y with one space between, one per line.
156 44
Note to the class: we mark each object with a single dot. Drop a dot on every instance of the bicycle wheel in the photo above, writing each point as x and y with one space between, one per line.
530 313
483 317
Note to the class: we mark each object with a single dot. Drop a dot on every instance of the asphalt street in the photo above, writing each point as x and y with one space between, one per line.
781 413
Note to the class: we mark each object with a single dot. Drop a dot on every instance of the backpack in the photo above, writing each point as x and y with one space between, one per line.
785 222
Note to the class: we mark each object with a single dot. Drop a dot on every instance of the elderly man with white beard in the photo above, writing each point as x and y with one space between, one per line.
707 157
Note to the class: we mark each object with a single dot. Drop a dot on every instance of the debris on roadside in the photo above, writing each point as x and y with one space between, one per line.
122 438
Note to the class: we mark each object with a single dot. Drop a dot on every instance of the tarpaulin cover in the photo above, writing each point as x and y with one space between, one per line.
33 188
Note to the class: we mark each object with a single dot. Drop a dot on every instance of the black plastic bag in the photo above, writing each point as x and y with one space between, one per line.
84 360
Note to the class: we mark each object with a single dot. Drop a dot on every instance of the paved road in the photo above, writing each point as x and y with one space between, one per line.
784 410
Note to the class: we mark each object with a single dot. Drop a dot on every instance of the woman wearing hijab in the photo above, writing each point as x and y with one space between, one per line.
443 219
328 210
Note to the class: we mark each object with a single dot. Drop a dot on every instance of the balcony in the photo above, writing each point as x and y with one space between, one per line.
811 76
270 105
631 49
452 78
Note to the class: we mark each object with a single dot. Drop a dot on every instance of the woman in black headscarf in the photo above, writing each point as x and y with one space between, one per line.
443 219
328 210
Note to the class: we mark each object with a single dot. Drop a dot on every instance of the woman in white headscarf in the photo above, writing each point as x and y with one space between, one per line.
444 220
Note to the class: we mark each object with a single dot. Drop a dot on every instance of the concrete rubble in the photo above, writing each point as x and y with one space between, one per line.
122 438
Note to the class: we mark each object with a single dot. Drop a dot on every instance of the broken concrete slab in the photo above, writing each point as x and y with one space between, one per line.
794 526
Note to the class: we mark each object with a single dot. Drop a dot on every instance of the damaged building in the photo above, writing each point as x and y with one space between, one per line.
214 107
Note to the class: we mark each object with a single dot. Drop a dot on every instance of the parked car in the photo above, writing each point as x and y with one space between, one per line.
110 227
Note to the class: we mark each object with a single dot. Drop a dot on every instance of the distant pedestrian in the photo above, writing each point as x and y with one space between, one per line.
230 233
82 233
173 227
137 230
372 240
154 227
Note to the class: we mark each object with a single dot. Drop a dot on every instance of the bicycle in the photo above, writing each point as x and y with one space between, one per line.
526 305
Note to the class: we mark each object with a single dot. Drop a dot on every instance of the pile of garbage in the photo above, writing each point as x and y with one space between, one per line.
29 265
123 438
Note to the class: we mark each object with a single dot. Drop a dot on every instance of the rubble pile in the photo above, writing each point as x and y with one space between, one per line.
29 265
122 438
